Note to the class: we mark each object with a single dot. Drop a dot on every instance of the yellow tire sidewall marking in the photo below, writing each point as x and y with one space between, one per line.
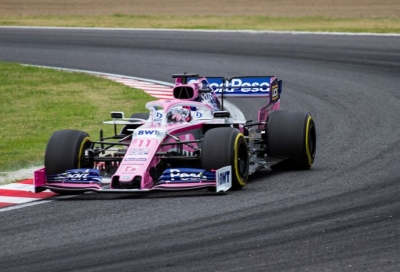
86 139
236 157
310 162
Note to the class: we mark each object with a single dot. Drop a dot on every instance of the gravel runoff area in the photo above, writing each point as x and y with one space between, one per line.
7 177
286 8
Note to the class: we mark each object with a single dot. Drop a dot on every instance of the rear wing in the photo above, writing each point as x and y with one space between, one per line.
251 86
244 86
247 86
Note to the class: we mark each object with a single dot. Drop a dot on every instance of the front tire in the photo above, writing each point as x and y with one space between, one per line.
66 150
223 147
139 115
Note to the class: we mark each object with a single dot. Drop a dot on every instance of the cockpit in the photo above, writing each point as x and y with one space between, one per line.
173 111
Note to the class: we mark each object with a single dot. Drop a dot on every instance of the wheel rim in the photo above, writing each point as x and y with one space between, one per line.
242 161
310 143
82 161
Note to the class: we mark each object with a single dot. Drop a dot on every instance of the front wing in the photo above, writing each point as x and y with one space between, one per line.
86 180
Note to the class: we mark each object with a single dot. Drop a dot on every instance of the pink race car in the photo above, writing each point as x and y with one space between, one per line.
190 142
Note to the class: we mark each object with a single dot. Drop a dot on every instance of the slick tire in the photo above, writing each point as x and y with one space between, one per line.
291 134
66 150
223 147
139 115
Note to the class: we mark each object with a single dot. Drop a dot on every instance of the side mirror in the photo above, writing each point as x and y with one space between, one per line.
222 114
117 115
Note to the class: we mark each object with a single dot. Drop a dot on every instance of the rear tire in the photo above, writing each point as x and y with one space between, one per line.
66 150
291 134
226 146
139 115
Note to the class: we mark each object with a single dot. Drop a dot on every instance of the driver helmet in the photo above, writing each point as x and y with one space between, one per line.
179 114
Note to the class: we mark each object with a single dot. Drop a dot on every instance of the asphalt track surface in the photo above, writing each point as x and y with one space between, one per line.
342 215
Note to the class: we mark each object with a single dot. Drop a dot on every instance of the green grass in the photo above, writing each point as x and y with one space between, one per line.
319 23
37 101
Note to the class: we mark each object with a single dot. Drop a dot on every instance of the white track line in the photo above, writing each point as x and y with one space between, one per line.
211 31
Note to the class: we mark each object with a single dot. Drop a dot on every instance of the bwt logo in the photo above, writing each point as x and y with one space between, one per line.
224 177
148 132
239 86
158 115
176 174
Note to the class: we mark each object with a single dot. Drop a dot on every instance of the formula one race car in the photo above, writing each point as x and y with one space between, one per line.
189 142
